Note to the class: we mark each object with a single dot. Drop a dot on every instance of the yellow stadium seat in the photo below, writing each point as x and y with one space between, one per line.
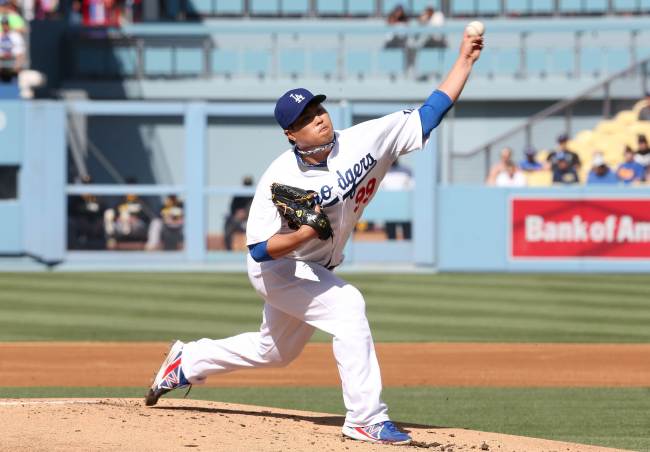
608 127
539 178
583 136
626 117
639 105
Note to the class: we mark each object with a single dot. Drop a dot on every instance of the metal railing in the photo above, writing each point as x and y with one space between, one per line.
564 106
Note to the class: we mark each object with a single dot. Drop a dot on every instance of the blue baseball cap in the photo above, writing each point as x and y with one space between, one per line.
292 103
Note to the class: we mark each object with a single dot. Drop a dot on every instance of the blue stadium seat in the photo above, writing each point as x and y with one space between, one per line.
358 63
90 61
361 8
429 62
264 7
389 5
624 6
229 7
200 7
330 7
420 5
224 61
617 59
562 61
596 6
591 62
123 61
570 6
158 61
489 7
295 7
537 63
323 62
292 62
257 62
644 6
542 7
517 7
462 8
488 63
391 61
189 61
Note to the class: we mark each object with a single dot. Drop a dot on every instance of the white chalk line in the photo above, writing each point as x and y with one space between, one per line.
49 402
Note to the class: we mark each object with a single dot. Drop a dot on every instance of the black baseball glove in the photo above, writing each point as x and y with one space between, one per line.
298 207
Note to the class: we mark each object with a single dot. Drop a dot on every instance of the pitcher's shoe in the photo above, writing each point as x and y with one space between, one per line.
383 432
169 377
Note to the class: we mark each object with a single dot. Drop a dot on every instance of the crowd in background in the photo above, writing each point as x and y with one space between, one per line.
564 165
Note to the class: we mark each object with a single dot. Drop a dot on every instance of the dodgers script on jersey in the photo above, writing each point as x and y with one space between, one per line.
358 162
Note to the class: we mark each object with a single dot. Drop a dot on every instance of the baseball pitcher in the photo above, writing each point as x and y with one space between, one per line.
304 210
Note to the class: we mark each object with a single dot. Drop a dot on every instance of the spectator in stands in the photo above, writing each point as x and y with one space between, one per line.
397 18
102 13
238 215
644 112
504 158
75 15
600 172
45 9
85 221
12 51
643 152
127 222
398 178
510 176
563 154
564 170
167 229
16 22
529 163
629 171
431 17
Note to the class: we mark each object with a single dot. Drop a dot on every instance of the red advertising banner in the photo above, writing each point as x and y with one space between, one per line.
578 228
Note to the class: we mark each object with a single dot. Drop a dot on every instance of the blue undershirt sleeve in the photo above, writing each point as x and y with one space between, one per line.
433 110
259 253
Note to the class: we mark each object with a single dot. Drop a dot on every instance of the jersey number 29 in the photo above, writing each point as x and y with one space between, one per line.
364 193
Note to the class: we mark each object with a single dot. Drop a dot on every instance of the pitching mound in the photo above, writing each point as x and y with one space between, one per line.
177 424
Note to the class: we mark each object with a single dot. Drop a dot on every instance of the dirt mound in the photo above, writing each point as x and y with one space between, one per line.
126 424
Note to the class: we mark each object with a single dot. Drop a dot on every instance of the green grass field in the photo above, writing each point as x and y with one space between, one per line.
426 308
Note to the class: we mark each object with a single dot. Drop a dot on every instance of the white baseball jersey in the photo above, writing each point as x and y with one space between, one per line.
356 165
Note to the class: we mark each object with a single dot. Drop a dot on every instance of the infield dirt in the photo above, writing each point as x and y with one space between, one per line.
126 424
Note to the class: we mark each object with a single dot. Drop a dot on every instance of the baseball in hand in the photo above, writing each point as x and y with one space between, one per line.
475 28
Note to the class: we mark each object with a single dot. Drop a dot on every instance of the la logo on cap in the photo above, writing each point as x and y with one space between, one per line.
297 97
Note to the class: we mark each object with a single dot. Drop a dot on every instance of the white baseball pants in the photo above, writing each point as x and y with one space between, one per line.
301 296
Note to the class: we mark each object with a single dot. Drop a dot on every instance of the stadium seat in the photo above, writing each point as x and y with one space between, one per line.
617 59
462 8
330 7
624 6
229 7
123 61
644 6
391 62
264 7
428 62
158 61
292 62
570 6
595 7
625 117
224 61
562 61
489 7
506 61
537 61
361 8
517 7
388 5
420 5
189 61
358 63
608 127
538 178
591 62
295 7
200 7
257 62
542 7
323 62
